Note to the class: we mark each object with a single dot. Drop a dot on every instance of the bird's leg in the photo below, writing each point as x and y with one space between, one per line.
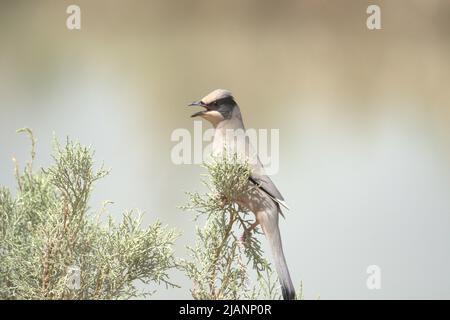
247 231
223 200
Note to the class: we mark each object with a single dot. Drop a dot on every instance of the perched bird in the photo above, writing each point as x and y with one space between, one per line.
222 111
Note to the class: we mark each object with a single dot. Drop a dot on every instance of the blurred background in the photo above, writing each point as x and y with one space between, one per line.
363 118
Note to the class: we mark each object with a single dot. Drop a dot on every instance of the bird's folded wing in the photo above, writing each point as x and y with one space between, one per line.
266 185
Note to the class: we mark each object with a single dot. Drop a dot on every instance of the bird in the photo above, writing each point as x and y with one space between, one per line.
223 112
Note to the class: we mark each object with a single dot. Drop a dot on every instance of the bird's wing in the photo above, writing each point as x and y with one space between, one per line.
259 176
265 184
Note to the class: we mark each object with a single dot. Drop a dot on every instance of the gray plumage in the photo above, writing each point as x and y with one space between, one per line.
224 114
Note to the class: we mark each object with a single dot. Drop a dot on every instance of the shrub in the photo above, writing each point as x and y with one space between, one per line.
53 246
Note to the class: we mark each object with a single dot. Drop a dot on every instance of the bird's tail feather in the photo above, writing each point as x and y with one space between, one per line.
287 288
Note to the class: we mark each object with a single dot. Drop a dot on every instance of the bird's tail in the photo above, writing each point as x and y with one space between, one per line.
287 288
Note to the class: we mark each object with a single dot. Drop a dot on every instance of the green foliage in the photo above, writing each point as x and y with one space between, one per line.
53 247
223 263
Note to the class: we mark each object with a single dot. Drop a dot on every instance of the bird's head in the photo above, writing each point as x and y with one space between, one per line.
219 105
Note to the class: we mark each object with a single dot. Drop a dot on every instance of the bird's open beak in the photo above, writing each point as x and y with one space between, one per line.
198 104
